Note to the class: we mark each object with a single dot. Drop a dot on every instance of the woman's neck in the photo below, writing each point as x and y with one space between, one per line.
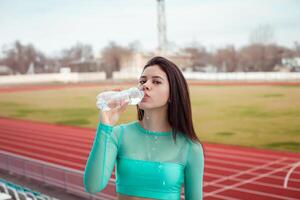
156 120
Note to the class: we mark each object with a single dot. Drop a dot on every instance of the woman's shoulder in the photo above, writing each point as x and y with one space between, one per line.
194 144
184 139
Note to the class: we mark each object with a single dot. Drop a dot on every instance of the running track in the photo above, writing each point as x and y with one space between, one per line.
230 172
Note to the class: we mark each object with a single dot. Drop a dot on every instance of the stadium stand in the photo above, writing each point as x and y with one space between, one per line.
11 191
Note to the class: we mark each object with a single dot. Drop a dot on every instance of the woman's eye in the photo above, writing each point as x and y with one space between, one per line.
154 82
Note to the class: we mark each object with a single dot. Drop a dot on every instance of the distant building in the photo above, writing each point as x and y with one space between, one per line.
138 60
5 70
84 65
206 69
292 64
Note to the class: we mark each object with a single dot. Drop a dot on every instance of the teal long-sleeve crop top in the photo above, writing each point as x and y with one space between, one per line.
148 164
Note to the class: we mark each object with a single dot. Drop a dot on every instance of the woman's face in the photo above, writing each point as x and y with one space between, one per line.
155 84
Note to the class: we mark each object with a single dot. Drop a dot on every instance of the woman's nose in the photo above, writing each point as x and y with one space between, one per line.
146 86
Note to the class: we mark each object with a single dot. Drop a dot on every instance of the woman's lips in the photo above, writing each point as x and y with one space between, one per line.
145 97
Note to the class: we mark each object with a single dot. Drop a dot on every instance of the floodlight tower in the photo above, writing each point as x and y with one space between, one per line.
161 25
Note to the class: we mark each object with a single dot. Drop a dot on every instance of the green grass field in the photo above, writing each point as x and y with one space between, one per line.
256 116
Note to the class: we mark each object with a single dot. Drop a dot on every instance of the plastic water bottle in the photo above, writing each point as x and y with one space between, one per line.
111 99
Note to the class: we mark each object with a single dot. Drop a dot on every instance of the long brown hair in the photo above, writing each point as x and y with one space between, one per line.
179 108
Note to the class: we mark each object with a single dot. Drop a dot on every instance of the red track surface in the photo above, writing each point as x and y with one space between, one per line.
230 172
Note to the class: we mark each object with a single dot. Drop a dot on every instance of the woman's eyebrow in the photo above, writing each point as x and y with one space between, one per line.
152 77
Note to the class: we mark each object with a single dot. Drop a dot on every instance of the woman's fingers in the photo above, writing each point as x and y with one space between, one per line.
122 106
117 89
114 89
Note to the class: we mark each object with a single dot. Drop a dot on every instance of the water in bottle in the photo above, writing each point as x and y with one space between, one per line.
111 99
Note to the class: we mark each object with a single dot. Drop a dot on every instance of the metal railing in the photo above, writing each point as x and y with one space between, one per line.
51 174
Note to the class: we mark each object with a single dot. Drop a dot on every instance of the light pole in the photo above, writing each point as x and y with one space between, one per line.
161 25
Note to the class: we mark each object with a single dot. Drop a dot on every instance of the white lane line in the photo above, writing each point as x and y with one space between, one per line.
244 165
224 155
244 182
246 171
230 162
258 183
223 151
222 168
286 179
249 173
253 173
258 193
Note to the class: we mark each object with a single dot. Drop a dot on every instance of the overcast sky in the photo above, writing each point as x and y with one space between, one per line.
52 25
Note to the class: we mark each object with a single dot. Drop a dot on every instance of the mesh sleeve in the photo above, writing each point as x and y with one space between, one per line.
193 183
102 158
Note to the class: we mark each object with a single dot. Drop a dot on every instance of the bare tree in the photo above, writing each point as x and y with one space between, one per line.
78 52
199 56
19 57
259 57
226 59
112 56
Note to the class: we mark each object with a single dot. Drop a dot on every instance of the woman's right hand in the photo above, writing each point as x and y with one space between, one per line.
112 116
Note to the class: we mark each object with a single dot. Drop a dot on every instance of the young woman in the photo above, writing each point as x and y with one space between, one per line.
156 155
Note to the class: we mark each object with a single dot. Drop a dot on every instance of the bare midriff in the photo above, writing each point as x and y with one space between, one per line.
124 197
